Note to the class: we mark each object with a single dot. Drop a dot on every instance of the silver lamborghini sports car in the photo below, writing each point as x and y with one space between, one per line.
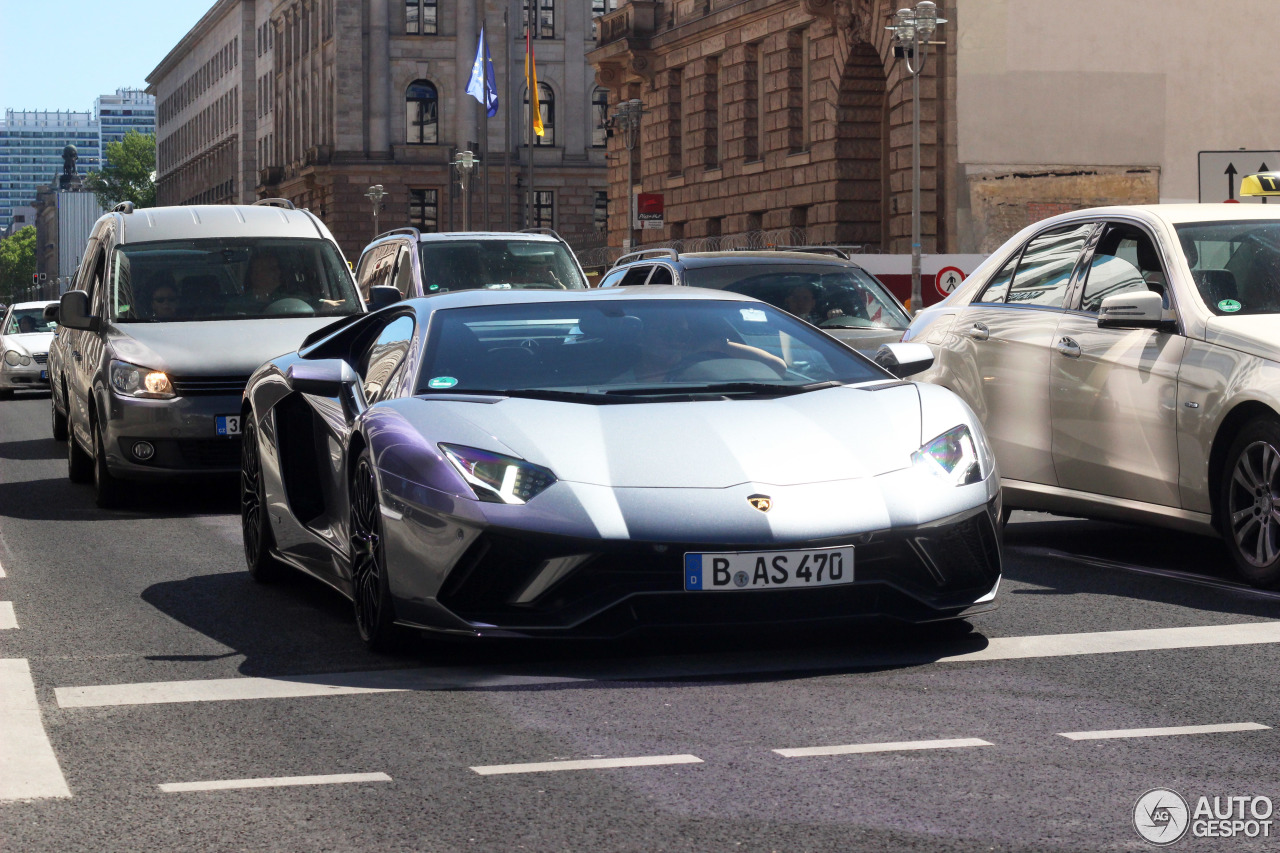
586 463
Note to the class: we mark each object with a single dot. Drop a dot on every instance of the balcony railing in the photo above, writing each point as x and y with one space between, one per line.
635 19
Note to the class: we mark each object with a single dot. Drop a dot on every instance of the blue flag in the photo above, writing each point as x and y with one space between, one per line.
483 85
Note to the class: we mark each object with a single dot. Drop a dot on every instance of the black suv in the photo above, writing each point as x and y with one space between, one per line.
818 284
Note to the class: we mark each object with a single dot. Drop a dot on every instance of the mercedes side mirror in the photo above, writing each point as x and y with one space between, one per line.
1141 309
903 360
51 313
73 311
382 295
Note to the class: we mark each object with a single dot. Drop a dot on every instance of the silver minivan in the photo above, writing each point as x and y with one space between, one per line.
172 309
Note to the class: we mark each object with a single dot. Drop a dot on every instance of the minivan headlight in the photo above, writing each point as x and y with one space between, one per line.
953 456
130 380
497 478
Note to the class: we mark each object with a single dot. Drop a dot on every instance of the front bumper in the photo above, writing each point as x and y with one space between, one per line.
34 376
182 431
947 569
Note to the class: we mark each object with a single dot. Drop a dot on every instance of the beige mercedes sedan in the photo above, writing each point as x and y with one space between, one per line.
1125 362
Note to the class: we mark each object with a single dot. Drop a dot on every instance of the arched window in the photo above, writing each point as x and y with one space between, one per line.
422 113
547 101
599 116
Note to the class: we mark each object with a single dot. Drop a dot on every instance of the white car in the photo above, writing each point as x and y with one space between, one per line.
1125 363
25 336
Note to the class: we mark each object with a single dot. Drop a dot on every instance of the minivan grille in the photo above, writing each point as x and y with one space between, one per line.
191 386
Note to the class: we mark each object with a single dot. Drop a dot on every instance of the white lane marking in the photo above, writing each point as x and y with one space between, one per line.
900 746
1151 571
276 782
8 619
28 767
1167 730
292 687
691 666
586 764
1 570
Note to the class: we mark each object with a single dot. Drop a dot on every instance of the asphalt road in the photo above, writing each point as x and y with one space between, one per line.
155 662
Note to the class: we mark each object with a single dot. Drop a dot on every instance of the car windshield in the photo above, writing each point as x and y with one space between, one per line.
832 297
26 320
1235 265
498 265
632 348
229 279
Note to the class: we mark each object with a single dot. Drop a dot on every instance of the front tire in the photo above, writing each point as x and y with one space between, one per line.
59 420
79 463
1249 500
254 523
370 594
108 491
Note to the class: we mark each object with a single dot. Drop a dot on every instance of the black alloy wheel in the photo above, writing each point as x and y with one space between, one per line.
59 420
79 463
254 524
1249 502
108 491
375 614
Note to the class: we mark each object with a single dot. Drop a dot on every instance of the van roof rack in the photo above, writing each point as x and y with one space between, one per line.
815 250
275 202
405 230
123 207
640 255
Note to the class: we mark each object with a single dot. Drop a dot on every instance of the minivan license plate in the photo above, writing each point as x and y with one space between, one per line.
228 424
735 570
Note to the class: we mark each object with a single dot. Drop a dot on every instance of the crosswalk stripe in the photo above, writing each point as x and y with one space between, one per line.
899 746
585 764
272 782
1162 732
687 666
28 767
8 619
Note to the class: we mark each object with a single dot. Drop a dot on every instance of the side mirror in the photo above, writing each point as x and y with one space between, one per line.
1141 309
382 295
51 313
73 311
328 377
903 360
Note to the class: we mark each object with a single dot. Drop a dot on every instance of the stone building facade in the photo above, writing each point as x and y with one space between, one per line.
331 97
777 116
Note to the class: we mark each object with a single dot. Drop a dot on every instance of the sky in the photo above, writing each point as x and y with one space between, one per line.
62 55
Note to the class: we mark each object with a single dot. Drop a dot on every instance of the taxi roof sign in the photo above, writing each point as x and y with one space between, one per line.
1261 184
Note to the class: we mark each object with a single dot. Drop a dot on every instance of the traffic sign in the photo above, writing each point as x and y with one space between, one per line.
948 279
1222 171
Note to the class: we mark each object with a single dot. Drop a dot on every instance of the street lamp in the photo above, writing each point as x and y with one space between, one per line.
912 31
376 194
466 165
627 118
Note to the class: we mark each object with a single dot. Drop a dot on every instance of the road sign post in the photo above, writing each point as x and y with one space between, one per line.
1222 171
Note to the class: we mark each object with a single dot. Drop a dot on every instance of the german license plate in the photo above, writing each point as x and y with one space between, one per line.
44 376
228 424
735 570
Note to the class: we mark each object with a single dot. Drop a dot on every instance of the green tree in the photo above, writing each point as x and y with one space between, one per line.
129 174
17 262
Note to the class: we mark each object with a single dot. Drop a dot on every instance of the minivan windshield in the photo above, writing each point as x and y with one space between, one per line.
832 297
633 349
498 265
1235 265
229 279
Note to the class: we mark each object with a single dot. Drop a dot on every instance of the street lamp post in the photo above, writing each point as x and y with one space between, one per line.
375 194
912 31
466 165
627 118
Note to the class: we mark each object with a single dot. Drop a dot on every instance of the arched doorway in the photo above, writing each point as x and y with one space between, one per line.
861 131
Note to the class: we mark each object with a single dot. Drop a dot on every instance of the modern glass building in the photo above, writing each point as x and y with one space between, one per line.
126 110
31 143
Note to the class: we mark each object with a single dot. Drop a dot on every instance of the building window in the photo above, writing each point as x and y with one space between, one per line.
420 17
546 19
753 143
423 115
547 105
424 209
601 218
675 151
600 116
599 8
711 114
544 209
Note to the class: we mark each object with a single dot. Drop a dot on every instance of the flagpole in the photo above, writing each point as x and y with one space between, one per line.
484 111
530 70
506 122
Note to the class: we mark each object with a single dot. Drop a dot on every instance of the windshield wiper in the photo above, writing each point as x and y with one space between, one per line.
726 388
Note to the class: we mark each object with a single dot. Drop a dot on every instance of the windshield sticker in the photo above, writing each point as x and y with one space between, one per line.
1229 305
754 315
442 382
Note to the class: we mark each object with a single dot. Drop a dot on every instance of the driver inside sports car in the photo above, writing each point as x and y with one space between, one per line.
669 345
